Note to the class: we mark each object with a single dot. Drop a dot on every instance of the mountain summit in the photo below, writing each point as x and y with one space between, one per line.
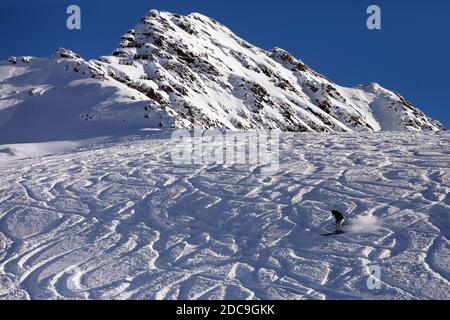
188 72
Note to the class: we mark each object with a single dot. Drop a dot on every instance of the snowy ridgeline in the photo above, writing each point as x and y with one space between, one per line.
187 72
119 220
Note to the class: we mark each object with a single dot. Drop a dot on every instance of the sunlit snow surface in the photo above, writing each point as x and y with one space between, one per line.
119 221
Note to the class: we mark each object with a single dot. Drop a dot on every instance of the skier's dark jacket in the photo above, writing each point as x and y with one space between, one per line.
337 215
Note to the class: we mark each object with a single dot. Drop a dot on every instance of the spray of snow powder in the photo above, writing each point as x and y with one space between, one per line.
365 223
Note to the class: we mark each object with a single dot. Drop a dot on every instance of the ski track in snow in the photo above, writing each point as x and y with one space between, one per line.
120 221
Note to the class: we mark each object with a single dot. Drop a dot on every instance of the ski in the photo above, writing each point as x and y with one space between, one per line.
333 233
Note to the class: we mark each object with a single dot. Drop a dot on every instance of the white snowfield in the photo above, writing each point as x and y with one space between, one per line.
118 220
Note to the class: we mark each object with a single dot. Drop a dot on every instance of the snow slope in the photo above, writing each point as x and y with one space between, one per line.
186 72
48 99
119 220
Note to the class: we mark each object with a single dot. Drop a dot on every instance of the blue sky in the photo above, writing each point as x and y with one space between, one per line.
410 54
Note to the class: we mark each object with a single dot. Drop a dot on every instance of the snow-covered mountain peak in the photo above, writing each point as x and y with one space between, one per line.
287 59
373 86
193 72
66 54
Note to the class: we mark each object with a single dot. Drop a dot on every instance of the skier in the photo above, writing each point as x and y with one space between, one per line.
339 219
